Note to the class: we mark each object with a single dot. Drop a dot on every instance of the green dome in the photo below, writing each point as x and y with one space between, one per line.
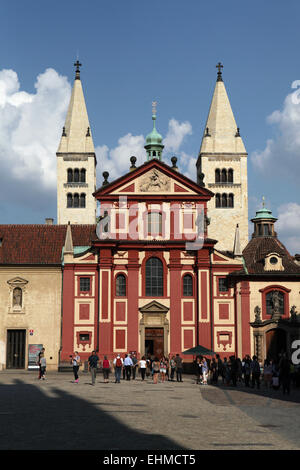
264 213
154 137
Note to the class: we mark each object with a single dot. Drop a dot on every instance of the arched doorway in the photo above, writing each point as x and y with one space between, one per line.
275 343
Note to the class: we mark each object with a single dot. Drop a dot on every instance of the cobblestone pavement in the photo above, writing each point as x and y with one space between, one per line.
59 414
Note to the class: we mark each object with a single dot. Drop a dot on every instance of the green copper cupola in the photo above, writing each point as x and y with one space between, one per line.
154 146
264 223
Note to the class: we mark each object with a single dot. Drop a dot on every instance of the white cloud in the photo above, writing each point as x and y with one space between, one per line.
281 153
288 226
176 133
30 128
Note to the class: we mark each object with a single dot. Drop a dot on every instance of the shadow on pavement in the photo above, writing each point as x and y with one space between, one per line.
32 420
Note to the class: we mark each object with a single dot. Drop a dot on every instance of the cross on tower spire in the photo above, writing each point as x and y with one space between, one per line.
219 66
77 73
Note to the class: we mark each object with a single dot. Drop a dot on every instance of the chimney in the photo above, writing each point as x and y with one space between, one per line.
49 221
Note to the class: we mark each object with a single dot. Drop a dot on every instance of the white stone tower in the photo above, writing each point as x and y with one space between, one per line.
222 168
76 163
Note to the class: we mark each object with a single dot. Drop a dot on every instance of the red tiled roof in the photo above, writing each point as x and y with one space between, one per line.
259 247
39 244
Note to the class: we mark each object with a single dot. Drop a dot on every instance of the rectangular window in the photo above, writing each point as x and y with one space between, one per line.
154 223
85 284
84 337
223 284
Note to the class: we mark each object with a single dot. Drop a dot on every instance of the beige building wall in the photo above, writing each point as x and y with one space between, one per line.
40 310
223 221
76 215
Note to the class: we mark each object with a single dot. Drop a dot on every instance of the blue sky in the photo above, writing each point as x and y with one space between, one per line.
136 51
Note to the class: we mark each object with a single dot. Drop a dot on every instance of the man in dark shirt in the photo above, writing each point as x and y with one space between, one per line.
178 362
93 362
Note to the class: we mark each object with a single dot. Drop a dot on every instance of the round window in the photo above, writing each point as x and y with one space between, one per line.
273 260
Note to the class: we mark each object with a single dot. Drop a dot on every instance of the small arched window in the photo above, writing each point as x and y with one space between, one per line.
187 285
82 200
76 175
121 285
217 175
230 200
154 277
224 176
82 175
154 153
224 200
218 200
76 200
70 175
69 200
230 175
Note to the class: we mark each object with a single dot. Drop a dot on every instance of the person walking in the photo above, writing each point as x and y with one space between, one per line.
268 373
204 371
255 370
124 371
247 370
178 362
118 364
128 365
75 361
43 367
219 367
134 366
214 371
106 369
163 369
42 351
173 368
143 367
155 370
93 363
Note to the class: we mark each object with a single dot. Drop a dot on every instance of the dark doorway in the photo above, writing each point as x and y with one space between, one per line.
154 342
15 349
275 343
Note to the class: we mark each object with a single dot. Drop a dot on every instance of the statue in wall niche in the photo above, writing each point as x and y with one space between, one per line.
257 311
17 297
276 304
293 313
155 182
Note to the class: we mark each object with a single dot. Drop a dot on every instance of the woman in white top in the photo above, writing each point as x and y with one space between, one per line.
143 366
76 363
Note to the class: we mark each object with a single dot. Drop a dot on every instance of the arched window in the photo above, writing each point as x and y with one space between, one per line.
224 176
154 153
187 285
69 200
154 277
230 175
70 175
82 175
76 175
76 200
217 175
230 200
218 200
121 285
224 200
154 223
82 200
275 301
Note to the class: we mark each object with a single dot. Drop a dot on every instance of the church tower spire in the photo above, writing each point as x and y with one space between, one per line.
222 161
76 162
154 146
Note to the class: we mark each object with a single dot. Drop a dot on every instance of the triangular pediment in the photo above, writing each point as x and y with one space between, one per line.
153 178
154 307
17 281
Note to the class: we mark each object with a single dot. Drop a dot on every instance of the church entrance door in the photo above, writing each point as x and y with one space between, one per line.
154 342
275 343
15 349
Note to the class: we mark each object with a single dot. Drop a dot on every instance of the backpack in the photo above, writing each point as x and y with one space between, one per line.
118 362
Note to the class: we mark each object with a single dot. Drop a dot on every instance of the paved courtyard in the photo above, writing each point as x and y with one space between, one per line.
58 414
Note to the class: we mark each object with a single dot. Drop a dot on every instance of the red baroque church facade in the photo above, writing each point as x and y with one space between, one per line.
149 283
